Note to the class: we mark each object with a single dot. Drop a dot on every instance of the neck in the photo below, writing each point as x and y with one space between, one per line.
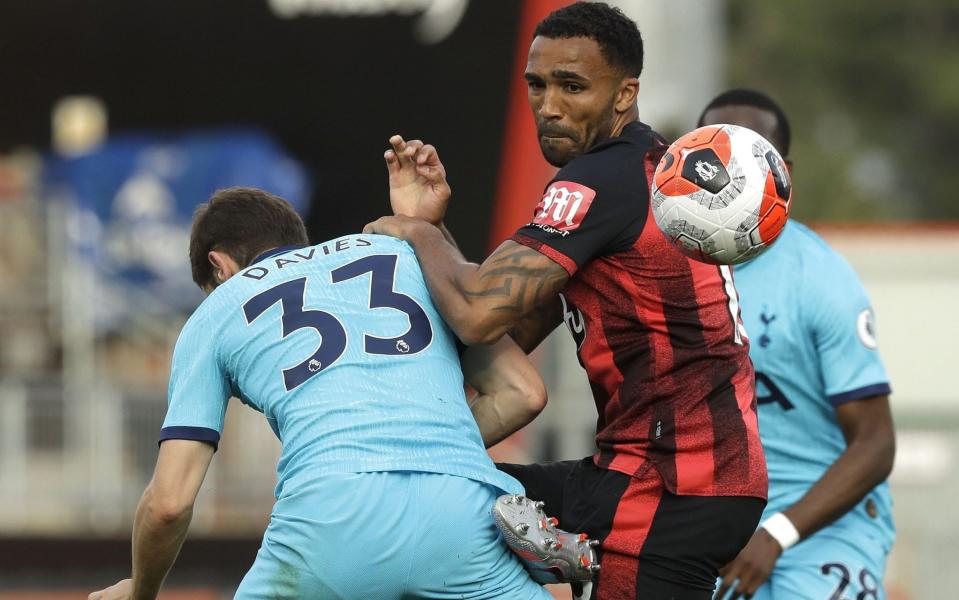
623 119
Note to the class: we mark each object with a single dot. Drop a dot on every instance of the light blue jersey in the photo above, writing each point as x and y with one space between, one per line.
385 487
342 350
813 345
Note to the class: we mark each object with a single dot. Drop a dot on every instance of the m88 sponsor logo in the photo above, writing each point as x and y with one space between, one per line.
564 206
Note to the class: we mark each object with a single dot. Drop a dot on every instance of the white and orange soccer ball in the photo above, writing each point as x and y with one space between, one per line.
721 194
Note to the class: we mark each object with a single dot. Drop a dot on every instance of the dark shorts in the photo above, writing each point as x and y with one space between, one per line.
655 545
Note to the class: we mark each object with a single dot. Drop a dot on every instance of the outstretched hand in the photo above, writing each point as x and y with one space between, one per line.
418 186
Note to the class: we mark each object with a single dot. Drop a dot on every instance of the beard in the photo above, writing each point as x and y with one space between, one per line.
558 157
560 145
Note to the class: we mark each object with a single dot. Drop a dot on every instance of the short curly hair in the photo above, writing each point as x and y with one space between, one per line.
617 35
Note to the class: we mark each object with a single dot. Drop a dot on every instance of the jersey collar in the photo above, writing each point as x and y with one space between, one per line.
274 252
634 130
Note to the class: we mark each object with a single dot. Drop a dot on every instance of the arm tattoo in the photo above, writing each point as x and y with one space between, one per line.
531 330
516 279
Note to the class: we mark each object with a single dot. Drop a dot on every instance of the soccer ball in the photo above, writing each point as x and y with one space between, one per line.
721 194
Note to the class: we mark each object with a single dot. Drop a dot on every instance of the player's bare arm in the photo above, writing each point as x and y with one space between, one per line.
162 518
418 188
480 303
510 390
867 461
531 330
870 451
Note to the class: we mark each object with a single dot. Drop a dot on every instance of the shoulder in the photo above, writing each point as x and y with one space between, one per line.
809 240
831 295
808 272
198 325
199 340
200 318
354 245
376 242
616 164
806 256
205 327
821 262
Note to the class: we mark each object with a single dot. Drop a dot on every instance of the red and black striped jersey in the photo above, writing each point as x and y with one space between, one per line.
659 334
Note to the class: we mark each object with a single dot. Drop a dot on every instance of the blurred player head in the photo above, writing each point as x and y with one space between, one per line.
583 77
235 226
752 109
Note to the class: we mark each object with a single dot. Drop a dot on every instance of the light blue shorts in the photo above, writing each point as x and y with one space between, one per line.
387 535
833 563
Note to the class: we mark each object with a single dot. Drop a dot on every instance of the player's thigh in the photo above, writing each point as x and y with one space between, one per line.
667 546
342 536
279 573
623 578
692 537
459 552
827 566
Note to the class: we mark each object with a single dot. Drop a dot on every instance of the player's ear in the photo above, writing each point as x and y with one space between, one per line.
223 265
627 95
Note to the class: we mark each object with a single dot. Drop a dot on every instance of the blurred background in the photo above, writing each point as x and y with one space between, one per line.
117 118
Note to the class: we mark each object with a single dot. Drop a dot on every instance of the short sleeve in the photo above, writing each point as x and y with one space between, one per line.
844 330
199 388
596 206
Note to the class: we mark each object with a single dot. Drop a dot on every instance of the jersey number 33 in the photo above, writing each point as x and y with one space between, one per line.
291 294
